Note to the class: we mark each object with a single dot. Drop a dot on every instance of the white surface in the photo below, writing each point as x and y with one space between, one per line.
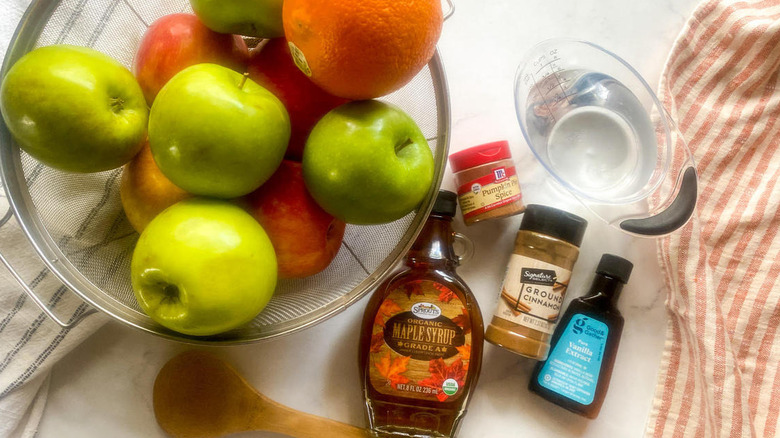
104 388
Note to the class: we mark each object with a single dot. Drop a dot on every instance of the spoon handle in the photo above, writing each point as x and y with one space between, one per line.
276 417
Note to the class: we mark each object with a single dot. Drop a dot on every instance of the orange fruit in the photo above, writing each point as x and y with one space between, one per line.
362 49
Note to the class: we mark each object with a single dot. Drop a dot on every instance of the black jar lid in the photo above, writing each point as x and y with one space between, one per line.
616 267
554 223
446 203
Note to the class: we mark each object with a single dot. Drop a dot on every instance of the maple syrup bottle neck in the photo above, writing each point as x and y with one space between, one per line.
434 243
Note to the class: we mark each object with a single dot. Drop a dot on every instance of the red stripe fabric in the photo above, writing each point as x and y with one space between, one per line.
719 376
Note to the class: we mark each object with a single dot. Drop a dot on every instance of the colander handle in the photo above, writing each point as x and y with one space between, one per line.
49 312
6 216
449 13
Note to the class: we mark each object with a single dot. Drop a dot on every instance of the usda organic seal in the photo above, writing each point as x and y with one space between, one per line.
450 386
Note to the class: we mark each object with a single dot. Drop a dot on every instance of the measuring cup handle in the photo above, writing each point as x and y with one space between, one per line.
673 217
73 322
449 13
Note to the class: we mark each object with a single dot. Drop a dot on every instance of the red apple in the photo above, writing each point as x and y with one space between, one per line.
305 237
272 67
145 192
177 41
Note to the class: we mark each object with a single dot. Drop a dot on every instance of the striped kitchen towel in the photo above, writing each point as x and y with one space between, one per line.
720 374
30 343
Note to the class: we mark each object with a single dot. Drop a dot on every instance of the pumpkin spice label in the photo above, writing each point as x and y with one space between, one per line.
500 187
421 343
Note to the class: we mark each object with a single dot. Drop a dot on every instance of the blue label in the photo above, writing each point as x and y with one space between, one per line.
572 369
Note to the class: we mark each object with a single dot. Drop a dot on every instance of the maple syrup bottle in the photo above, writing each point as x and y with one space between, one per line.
421 341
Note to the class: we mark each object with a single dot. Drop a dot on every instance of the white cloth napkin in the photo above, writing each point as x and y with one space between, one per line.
30 343
10 13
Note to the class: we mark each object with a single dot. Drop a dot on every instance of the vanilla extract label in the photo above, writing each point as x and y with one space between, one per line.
574 366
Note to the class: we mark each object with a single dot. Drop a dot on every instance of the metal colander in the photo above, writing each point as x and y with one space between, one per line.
76 224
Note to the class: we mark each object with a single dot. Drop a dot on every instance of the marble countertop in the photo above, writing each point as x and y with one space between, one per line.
104 387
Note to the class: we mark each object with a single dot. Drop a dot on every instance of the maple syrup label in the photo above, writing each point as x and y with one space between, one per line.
532 293
421 343
420 338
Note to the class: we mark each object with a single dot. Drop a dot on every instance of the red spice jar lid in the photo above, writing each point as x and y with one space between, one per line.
479 155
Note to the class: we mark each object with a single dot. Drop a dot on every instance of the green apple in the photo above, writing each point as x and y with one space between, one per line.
366 162
255 18
74 109
202 267
213 132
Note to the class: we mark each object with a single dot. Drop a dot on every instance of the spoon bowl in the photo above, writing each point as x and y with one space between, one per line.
199 395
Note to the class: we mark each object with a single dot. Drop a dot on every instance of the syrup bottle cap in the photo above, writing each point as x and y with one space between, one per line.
446 203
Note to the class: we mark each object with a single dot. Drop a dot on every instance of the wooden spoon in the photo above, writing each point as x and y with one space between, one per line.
199 395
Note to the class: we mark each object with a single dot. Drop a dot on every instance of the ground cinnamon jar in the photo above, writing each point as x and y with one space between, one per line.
487 182
546 248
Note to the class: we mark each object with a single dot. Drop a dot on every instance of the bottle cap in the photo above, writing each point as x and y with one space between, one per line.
479 155
616 267
446 203
555 223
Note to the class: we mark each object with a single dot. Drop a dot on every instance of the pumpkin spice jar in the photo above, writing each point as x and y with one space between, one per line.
488 187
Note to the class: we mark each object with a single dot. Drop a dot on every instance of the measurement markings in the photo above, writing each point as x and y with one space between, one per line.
546 64
560 84
541 93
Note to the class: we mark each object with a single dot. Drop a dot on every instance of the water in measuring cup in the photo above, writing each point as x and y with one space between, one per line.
595 149
595 133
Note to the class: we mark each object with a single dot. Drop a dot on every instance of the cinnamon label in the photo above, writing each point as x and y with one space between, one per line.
532 293
421 343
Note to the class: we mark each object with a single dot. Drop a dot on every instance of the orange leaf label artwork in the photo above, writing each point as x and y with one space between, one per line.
465 351
386 310
445 294
440 373
377 341
392 369
413 288
463 321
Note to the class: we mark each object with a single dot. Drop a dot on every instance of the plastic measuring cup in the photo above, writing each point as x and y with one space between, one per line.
600 131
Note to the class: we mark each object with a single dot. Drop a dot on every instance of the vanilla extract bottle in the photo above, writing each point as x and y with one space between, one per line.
576 374
421 342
